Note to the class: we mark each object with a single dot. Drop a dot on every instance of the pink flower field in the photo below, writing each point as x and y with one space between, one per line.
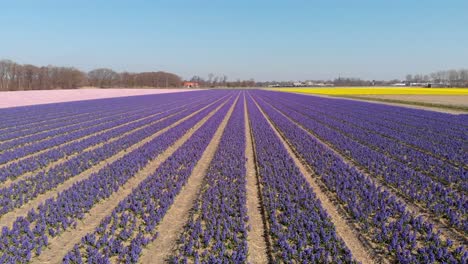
23 98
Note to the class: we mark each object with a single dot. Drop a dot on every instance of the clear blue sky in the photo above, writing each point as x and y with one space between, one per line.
277 40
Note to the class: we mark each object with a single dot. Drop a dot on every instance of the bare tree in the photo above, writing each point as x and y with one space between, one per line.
210 78
409 78
6 74
224 80
103 77
463 74
452 75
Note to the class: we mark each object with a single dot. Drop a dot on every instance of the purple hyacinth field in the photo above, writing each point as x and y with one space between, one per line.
231 176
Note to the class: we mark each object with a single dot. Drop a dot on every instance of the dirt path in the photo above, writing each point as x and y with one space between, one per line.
343 230
9 218
172 224
256 236
414 209
9 182
59 246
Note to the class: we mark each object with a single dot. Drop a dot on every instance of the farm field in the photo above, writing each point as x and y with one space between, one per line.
24 98
343 91
446 100
454 101
232 176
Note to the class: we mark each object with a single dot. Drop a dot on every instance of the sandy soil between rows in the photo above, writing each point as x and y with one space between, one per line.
60 245
343 230
172 224
256 235
25 98
411 207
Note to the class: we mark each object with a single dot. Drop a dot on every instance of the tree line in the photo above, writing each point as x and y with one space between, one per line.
14 77
221 81
106 78
455 78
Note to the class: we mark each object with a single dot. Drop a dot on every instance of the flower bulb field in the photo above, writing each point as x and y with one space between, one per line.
232 176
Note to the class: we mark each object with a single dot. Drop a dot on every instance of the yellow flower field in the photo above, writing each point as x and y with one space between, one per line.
376 90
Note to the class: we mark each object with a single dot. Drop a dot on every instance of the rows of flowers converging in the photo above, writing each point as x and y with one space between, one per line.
13 154
428 121
133 224
423 125
299 228
448 155
31 164
447 148
437 169
443 146
24 190
41 124
57 214
450 150
415 160
83 114
382 218
32 117
17 136
26 117
53 137
216 231
23 137
419 187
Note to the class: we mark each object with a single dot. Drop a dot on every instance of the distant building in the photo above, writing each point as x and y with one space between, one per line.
191 85
400 84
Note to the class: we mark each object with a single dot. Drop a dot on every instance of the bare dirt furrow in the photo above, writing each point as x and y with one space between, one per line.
9 182
343 229
87 136
256 236
172 224
439 224
60 245
9 218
